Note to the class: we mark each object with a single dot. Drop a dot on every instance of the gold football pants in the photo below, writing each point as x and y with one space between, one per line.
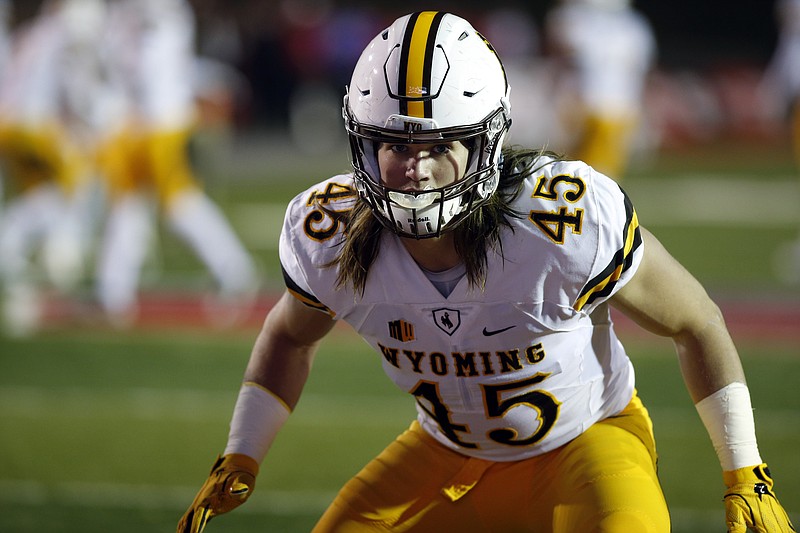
606 144
602 481
43 154
154 161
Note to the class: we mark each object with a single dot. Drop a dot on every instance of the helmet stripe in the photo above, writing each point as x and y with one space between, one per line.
417 58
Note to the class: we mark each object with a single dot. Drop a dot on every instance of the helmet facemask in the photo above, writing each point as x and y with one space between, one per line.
375 113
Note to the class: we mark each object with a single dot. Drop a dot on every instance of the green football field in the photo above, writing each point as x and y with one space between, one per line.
104 431
115 432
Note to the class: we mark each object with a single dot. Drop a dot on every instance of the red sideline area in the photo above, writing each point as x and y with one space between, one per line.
747 319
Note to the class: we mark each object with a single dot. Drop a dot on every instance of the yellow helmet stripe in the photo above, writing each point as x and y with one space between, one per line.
417 57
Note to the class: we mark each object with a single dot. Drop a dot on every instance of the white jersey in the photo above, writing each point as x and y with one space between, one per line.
151 49
610 51
508 371
54 76
782 76
33 82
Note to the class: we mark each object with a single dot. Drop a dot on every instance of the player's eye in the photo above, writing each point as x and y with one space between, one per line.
399 148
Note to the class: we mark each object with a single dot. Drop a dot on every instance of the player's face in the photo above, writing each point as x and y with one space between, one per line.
416 167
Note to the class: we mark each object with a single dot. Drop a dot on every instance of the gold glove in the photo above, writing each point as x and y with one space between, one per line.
230 483
750 502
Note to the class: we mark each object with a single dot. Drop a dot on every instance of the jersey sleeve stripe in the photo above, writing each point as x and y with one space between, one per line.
305 297
603 284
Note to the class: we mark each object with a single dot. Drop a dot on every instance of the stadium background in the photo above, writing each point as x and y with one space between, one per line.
703 36
103 430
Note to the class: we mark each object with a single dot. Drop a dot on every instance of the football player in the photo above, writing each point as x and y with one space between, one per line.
780 92
603 51
482 277
49 96
145 158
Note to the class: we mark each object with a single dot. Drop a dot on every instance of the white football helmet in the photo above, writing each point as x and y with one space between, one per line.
428 77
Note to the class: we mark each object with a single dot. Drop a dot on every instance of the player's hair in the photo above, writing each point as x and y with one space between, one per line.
474 236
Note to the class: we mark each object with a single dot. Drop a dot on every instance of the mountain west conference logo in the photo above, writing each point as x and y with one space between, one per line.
401 330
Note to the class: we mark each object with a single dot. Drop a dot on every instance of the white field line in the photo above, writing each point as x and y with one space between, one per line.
770 423
151 404
153 497
717 200
328 410
708 199
158 404
263 502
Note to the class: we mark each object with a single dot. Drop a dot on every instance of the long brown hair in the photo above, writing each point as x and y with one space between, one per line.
474 236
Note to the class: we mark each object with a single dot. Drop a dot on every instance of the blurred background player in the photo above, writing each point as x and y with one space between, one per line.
516 36
48 110
151 49
6 22
603 51
781 93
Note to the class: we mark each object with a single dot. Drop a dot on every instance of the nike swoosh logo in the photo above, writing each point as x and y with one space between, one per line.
487 333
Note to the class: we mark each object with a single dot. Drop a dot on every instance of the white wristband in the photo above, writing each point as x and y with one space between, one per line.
728 417
257 418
